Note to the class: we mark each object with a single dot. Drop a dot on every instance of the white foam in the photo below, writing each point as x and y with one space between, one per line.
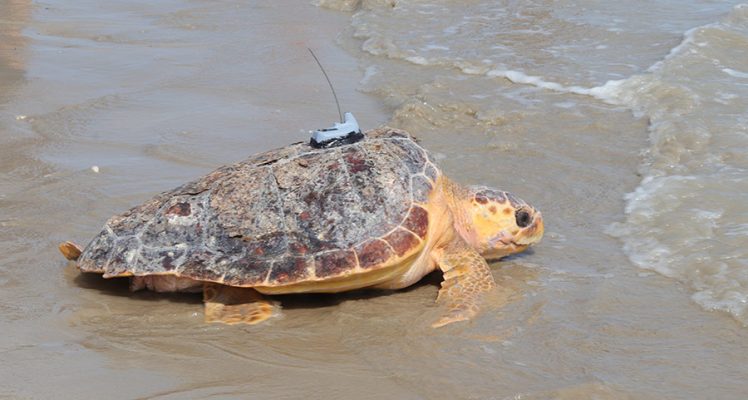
471 69
688 38
724 98
734 73
418 60
369 73
430 47
565 104
612 91
609 92
733 302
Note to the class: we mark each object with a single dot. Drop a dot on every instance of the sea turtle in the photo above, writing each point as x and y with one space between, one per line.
377 213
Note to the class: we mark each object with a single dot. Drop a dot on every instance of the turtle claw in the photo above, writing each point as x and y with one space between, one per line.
456 315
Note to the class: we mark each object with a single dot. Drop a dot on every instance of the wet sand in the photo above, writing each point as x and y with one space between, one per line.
157 94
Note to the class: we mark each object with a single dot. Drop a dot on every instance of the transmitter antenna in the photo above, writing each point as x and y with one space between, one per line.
340 114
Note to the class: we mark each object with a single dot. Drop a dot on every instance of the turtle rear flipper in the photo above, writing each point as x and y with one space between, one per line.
70 250
236 305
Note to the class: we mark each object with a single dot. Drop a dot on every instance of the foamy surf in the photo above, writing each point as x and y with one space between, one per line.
687 82
690 203
609 92
687 218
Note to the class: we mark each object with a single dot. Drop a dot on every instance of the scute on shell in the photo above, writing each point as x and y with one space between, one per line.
284 216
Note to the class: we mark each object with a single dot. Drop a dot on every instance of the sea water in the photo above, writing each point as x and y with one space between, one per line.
682 66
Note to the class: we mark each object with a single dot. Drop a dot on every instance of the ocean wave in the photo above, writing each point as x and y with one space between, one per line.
562 49
682 73
686 219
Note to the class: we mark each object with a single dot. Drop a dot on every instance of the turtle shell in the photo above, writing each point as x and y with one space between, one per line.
286 216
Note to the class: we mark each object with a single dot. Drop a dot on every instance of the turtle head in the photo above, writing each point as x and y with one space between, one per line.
497 223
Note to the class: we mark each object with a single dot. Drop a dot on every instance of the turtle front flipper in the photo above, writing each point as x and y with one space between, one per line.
236 305
466 279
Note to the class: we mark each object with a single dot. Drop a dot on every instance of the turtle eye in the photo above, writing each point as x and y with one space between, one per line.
523 218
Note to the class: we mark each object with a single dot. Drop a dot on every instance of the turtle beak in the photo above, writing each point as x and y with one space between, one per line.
502 245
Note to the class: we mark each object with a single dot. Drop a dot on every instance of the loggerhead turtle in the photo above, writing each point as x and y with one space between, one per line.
377 213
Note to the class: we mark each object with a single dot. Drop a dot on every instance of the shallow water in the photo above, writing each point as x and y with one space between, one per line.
623 124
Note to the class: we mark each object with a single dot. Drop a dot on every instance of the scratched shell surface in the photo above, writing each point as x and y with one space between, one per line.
285 216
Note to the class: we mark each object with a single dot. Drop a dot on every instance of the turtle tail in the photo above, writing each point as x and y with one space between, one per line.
70 250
